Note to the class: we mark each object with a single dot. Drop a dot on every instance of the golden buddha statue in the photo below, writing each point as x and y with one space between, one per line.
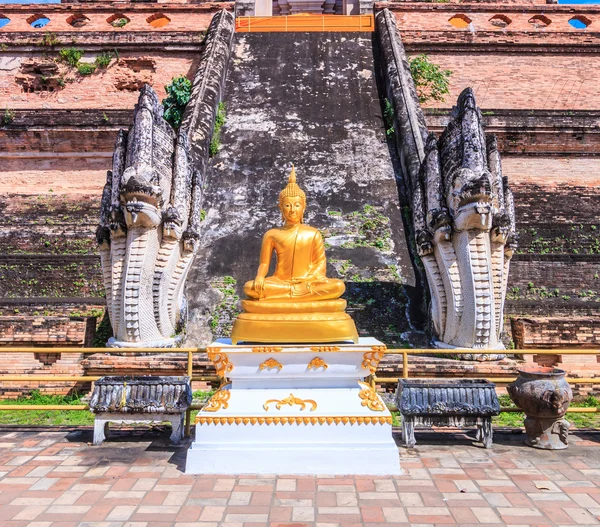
298 303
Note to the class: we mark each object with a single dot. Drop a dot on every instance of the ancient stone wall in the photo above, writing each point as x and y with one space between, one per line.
557 332
47 331
54 154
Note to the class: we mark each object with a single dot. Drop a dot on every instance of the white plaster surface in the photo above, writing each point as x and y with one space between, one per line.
331 449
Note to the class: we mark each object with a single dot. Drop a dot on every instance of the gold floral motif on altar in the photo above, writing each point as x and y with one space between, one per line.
325 348
291 401
267 349
317 363
271 363
369 397
217 401
371 358
383 420
220 360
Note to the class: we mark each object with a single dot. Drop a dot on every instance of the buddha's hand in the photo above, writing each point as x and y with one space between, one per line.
259 285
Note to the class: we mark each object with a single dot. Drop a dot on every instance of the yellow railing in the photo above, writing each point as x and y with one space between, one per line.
214 378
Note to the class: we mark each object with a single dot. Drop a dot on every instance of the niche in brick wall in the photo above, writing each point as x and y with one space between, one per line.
39 75
580 22
4 21
158 20
118 20
460 21
540 21
500 21
47 359
38 21
77 20
133 72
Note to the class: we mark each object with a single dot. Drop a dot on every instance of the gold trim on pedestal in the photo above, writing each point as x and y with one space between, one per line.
271 363
291 401
220 360
267 349
325 348
217 401
369 397
294 420
371 358
317 363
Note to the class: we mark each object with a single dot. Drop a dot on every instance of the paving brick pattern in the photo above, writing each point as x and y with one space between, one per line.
136 479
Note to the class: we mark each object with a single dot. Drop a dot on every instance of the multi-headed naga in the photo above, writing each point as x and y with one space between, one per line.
462 208
146 238
464 223
151 205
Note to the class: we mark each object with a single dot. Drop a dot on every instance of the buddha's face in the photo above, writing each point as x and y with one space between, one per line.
292 209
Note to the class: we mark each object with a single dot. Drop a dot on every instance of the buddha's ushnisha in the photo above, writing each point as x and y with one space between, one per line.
300 273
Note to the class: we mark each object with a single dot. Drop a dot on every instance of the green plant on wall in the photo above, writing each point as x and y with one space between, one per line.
49 39
215 142
9 116
70 56
86 68
104 59
388 117
178 95
431 81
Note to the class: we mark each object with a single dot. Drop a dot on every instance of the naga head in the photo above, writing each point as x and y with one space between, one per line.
467 177
146 170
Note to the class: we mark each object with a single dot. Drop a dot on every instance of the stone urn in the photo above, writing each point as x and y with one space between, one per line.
544 395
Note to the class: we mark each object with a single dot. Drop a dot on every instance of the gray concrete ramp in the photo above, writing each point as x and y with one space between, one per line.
310 99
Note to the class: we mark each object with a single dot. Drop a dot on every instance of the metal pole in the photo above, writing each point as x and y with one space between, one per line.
405 365
188 412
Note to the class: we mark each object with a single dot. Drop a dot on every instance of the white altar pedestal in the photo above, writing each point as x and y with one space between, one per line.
295 409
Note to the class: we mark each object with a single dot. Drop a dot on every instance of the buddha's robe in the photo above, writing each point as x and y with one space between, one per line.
300 273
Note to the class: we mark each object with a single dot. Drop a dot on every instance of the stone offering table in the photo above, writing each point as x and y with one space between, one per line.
295 409
447 402
140 400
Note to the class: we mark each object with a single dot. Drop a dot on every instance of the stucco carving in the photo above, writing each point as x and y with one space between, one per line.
464 224
462 207
151 205
146 245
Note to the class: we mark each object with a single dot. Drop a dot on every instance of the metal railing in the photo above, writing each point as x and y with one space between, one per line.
374 379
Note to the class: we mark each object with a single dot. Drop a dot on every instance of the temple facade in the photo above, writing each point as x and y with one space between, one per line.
71 74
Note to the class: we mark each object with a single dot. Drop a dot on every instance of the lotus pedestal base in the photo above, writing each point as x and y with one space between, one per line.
295 409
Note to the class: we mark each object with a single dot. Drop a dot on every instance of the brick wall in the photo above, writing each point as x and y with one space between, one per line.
32 331
514 80
115 87
46 331
556 332
185 17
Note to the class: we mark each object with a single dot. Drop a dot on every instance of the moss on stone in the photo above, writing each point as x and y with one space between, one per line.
228 308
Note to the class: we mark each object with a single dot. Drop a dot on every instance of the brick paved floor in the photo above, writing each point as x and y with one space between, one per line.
55 478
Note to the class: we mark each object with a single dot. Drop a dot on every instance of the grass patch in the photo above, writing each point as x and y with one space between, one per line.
63 417
45 417
577 420
85 68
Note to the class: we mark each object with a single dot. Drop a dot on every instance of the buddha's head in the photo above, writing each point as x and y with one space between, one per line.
292 201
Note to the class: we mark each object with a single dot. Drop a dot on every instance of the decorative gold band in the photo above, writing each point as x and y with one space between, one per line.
293 420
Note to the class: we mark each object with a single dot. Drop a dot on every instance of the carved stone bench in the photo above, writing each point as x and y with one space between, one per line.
447 402
140 400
